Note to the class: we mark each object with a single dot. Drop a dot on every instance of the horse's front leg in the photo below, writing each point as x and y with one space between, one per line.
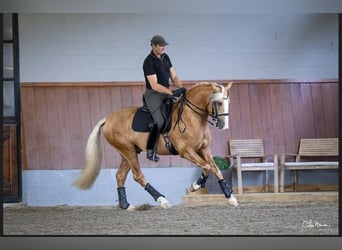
226 187
208 165
192 156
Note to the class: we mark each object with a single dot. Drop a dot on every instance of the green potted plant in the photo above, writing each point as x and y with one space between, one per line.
212 185
221 163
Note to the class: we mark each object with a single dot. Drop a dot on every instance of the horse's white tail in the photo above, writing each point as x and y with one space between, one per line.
93 158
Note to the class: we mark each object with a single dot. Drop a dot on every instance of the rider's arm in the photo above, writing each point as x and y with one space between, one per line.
174 78
156 86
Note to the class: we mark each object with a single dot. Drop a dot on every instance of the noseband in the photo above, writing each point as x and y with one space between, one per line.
215 115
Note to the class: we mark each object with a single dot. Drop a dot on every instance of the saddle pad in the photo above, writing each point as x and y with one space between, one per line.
142 118
141 121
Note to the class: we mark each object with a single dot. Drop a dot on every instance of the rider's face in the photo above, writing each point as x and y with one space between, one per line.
157 49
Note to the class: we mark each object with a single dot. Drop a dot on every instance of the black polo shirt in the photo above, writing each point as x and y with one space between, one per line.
160 67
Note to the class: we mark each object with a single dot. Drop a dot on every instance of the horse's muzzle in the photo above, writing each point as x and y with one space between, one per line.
220 124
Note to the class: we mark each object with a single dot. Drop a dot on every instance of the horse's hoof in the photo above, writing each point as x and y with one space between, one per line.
164 203
194 187
232 201
130 208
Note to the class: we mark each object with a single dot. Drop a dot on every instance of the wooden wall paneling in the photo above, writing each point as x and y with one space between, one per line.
116 98
334 87
23 143
256 111
219 141
318 111
330 104
298 110
234 110
85 118
72 114
30 130
165 160
266 118
55 145
277 120
245 112
287 118
177 161
95 105
127 98
307 116
335 108
43 130
137 95
66 160
58 118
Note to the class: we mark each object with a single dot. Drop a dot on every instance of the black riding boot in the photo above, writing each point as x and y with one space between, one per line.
151 143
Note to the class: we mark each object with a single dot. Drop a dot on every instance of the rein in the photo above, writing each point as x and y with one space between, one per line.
214 115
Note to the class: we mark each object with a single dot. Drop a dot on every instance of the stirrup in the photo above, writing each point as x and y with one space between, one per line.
151 155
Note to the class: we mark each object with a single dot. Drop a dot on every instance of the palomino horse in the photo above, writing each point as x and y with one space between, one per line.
189 135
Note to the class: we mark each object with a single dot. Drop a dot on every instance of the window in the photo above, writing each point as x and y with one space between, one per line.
10 69
9 72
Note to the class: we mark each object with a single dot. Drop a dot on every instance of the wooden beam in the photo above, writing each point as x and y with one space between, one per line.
220 199
185 82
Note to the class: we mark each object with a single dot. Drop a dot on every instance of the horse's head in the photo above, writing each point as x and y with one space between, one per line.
213 99
220 105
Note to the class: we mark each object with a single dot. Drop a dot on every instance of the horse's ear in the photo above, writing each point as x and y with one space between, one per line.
229 85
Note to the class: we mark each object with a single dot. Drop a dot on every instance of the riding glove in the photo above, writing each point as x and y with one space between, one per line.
178 92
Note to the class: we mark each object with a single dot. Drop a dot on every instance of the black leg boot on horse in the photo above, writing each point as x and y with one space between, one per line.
152 143
122 198
157 196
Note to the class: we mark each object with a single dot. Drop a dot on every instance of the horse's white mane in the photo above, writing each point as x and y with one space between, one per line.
215 96
206 83
218 96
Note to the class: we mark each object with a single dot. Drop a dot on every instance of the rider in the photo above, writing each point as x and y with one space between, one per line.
158 70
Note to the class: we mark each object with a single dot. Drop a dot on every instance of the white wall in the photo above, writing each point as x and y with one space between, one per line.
112 47
54 187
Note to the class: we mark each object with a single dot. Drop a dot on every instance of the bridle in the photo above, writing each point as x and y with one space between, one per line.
200 111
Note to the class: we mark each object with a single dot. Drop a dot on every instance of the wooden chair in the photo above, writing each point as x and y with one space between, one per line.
252 148
313 148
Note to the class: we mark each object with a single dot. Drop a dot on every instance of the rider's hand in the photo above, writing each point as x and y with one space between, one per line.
178 92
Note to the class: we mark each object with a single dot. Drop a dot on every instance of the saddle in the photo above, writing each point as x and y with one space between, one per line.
143 121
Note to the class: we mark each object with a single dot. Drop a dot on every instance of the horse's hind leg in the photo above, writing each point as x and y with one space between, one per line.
139 177
121 176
